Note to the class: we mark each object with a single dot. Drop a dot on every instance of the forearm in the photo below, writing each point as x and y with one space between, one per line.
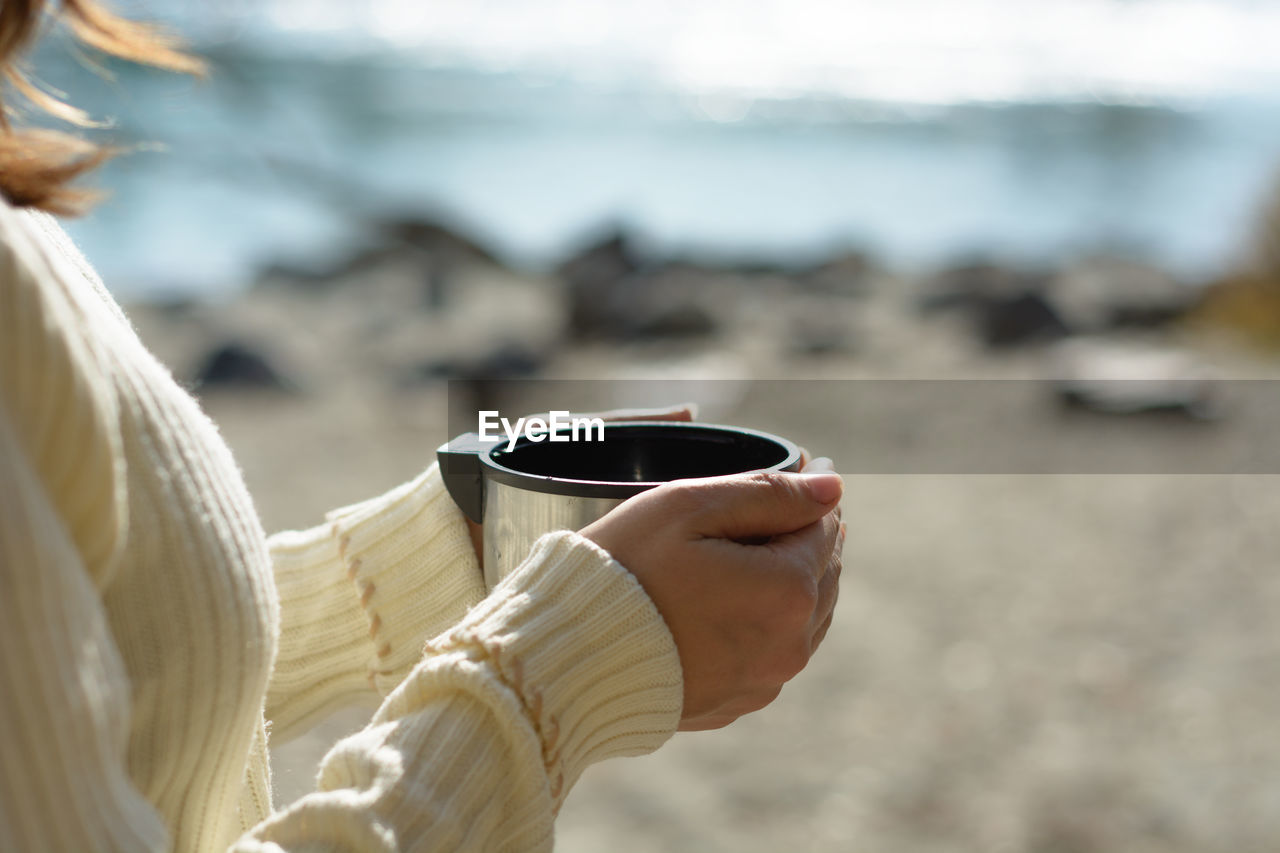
362 593
568 663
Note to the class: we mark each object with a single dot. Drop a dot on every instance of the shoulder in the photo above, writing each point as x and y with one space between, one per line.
56 387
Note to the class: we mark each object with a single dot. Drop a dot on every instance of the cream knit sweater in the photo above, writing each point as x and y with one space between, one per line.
151 634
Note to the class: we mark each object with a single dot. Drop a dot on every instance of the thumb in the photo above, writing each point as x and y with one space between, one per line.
765 504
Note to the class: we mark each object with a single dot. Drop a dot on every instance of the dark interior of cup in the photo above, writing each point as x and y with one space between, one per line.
646 453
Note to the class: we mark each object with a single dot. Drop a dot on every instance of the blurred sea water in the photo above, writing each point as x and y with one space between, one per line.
777 130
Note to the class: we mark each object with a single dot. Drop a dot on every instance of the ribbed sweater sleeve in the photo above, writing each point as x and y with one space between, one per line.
566 664
62 409
64 691
64 694
361 594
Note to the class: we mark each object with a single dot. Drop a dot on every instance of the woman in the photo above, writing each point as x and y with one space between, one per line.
151 635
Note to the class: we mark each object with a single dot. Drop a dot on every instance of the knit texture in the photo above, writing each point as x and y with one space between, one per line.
527 694
150 633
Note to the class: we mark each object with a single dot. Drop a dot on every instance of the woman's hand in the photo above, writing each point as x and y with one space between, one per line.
681 412
745 617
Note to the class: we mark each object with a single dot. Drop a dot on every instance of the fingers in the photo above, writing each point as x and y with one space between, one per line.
828 593
828 581
680 412
811 548
821 463
683 412
808 593
723 716
821 633
757 505
802 570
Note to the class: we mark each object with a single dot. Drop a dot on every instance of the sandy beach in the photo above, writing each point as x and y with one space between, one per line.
1052 660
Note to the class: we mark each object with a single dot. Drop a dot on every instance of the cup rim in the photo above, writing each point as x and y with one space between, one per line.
568 487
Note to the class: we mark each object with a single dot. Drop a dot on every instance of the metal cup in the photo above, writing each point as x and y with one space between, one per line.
537 485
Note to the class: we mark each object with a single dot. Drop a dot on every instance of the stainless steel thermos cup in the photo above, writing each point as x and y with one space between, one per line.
524 488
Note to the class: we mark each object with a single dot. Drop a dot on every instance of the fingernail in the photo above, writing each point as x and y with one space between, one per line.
824 486
692 408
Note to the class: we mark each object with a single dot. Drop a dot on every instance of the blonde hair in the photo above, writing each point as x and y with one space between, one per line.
37 167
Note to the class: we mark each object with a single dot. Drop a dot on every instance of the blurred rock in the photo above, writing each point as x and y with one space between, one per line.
850 274
507 360
1130 379
673 303
322 274
967 285
1114 293
237 365
662 322
598 279
613 295
1018 319
439 240
1007 306
813 336
607 259
423 256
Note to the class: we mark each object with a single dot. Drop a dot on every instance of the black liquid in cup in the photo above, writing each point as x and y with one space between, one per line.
646 453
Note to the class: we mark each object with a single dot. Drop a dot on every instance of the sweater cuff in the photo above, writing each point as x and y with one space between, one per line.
410 556
578 640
